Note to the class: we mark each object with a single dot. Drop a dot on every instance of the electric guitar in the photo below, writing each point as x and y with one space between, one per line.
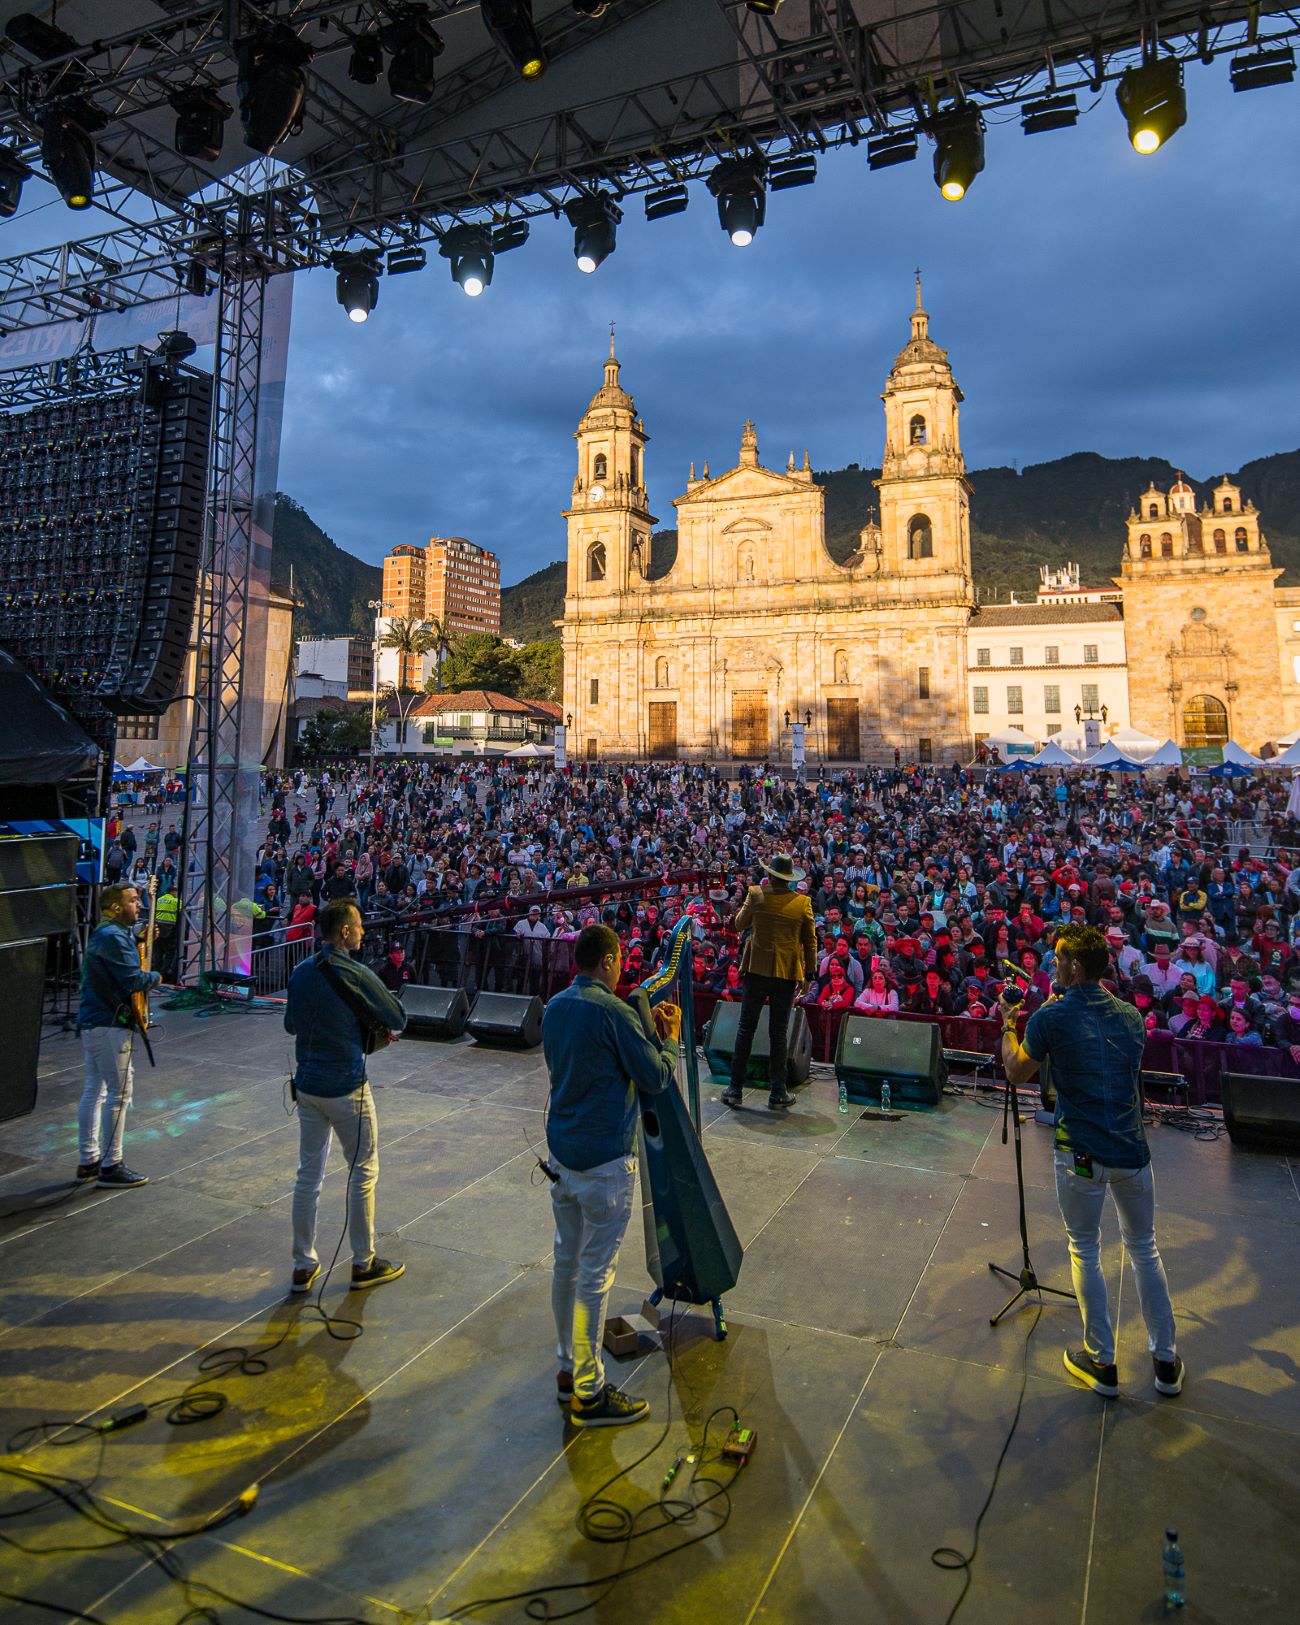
144 947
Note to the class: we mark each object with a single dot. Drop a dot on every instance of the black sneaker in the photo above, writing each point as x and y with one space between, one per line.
1102 1379
564 1387
375 1273
118 1174
88 1170
305 1279
609 1409
732 1096
778 1102
1169 1375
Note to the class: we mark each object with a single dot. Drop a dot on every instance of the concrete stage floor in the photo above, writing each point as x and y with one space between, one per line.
427 1464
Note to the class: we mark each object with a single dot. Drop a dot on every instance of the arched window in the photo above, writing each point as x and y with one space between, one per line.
1153 512
599 466
1166 546
920 538
1227 505
916 431
1205 721
661 673
1144 546
1239 536
1220 541
596 562
636 465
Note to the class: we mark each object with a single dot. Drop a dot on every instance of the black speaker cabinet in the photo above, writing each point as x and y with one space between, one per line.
1262 1113
720 1044
435 1012
908 1055
506 1020
22 975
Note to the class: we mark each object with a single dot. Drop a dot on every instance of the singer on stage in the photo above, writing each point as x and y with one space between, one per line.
1094 1043
780 953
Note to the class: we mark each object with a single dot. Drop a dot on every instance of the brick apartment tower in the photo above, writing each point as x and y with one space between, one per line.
451 581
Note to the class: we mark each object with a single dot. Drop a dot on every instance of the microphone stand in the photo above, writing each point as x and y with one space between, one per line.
1026 1280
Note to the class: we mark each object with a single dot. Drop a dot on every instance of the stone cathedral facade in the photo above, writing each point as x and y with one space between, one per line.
755 626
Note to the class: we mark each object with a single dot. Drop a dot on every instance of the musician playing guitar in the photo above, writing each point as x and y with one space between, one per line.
111 976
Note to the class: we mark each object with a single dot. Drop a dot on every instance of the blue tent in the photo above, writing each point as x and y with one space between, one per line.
1230 770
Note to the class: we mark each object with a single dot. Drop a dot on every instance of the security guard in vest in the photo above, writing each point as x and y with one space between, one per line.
166 913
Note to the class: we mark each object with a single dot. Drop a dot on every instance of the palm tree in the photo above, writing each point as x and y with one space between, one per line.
411 639
440 643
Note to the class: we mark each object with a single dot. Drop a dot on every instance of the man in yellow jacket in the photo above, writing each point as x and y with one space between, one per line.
780 953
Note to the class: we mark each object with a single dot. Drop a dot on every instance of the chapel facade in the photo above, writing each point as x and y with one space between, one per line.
755 627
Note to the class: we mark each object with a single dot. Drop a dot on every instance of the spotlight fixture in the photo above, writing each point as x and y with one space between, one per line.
958 150
414 45
470 252
795 171
1049 113
357 283
366 59
405 259
271 85
196 279
738 185
591 8
1275 66
765 8
510 23
665 201
884 151
594 220
175 346
1153 101
68 150
38 38
200 123
13 172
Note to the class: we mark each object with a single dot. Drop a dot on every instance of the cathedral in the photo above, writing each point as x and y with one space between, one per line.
755 629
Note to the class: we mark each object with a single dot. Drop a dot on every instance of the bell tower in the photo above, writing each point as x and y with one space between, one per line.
609 518
924 494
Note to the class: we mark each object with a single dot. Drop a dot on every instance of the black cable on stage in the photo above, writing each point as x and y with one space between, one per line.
948 1557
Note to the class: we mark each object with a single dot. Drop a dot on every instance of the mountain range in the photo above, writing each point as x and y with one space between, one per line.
1073 508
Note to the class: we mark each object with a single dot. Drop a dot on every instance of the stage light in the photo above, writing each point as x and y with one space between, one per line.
884 151
958 151
469 250
1049 113
765 8
39 38
738 185
68 151
594 221
788 172
665 201
1153 101
196 279
13 172
405 259
510 23
357 283
200 123
591 8
414 45
1274 66
271 85
175 346
366 59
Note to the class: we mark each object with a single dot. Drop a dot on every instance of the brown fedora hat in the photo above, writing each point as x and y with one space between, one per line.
782 868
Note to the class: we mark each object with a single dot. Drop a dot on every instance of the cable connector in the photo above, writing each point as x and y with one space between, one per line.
548 1171
125 1419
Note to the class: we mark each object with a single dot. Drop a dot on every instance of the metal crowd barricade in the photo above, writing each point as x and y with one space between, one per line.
271 964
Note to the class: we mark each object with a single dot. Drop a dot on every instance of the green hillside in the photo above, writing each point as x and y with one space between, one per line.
331 585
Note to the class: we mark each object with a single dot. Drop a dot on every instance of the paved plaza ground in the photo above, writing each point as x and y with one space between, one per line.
427 1464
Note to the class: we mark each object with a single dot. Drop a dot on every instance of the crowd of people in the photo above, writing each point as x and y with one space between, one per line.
930 887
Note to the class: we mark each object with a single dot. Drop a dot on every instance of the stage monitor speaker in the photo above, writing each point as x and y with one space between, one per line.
1261 1113
908 1055
720 1044
22 975
435 1012
506 1020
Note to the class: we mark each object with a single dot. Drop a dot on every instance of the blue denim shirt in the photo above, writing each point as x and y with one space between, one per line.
328 1048
111 967
1094 1042
598 1056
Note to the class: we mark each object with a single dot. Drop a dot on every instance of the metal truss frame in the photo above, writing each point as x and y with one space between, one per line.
49 383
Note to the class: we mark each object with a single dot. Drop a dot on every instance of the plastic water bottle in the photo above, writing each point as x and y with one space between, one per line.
1175 1574
884 1097
844 1096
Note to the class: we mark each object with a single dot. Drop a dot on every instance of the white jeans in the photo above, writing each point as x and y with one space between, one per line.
352 1119
1133 1192
106 1093
591 1212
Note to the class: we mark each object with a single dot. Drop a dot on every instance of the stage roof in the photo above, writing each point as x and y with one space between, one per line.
651 92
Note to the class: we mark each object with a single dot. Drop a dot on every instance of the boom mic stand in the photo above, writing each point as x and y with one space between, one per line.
1026 1281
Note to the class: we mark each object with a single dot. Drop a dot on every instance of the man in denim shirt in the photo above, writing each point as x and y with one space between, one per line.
598 1056
332 1093
1094 1042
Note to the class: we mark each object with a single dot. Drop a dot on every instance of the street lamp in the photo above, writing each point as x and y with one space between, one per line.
378 605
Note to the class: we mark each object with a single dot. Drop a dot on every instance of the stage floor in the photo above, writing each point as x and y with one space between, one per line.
427 1464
